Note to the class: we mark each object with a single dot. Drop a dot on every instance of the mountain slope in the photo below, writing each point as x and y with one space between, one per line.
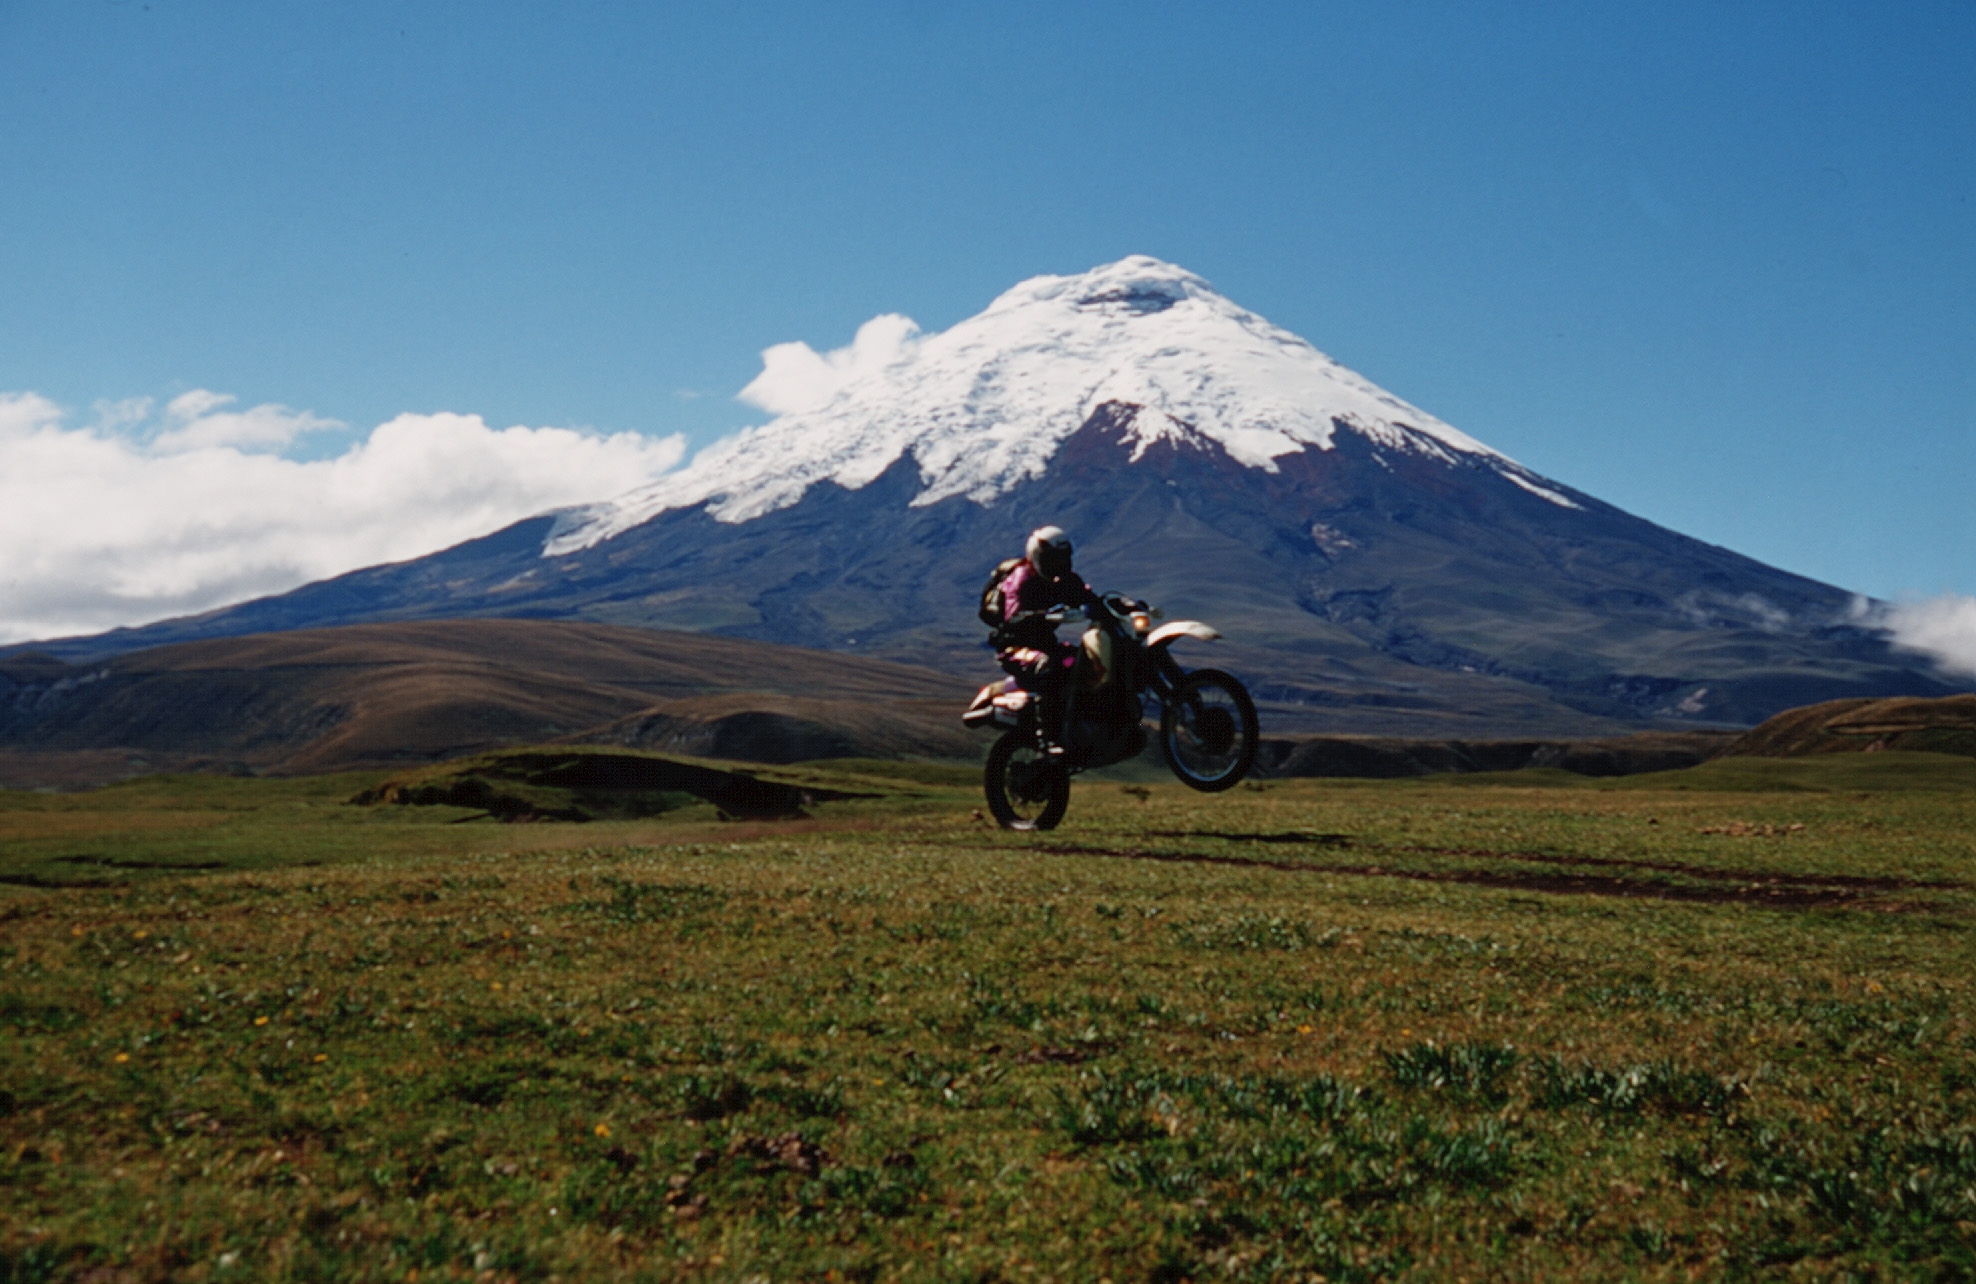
380 695
1375 570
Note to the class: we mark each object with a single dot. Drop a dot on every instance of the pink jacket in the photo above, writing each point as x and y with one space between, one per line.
1025 593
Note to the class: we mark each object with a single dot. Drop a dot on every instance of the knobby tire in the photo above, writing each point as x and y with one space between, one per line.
1043 803
1197 759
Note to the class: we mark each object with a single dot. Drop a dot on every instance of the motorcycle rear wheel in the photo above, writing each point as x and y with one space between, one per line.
1208 731
1026 788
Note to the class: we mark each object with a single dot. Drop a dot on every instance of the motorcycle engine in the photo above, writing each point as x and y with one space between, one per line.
1107 730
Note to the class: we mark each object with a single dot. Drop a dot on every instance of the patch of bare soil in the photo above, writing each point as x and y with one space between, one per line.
120 862
1291 836
1713 886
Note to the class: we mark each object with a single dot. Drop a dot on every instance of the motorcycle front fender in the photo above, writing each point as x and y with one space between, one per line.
1166 633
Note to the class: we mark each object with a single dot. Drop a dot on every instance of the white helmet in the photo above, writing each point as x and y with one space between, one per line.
1048 551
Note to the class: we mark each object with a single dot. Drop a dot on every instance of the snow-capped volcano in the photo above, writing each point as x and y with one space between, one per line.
1372 569
984 406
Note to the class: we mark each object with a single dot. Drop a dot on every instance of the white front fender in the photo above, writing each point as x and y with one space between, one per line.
1165 633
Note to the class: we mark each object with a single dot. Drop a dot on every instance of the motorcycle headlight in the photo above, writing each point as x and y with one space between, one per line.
1141 622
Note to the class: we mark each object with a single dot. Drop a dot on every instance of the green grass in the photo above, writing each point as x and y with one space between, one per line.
1519 1028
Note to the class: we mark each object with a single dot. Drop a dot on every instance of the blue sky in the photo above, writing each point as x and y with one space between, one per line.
1714 264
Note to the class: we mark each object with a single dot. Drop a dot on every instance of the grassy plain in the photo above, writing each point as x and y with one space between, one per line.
1716 1023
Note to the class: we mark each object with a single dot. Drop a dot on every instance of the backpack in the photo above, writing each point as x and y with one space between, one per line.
993 609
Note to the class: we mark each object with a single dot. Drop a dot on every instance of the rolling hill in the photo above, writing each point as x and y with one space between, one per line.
377 695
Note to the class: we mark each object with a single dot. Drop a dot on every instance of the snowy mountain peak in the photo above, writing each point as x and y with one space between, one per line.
1138 285
985 405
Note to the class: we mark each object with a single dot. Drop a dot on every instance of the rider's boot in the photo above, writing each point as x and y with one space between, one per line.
1049 720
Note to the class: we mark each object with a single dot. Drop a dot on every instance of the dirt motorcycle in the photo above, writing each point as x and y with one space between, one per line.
1207 723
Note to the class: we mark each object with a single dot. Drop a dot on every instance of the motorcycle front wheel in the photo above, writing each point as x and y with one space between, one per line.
1026 788
1208 731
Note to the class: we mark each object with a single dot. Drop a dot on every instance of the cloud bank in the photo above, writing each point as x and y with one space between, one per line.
151 512
1942 628
796 377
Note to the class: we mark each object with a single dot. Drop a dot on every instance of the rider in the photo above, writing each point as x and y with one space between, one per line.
1026 643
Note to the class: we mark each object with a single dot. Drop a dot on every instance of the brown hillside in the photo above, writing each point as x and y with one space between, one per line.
373 695
1946 725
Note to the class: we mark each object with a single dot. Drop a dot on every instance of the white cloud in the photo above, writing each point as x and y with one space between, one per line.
1749 610
190 405
101 525
200 424
795 377
115 416
1942 628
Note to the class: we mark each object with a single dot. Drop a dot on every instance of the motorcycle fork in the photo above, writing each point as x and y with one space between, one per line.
1165 678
